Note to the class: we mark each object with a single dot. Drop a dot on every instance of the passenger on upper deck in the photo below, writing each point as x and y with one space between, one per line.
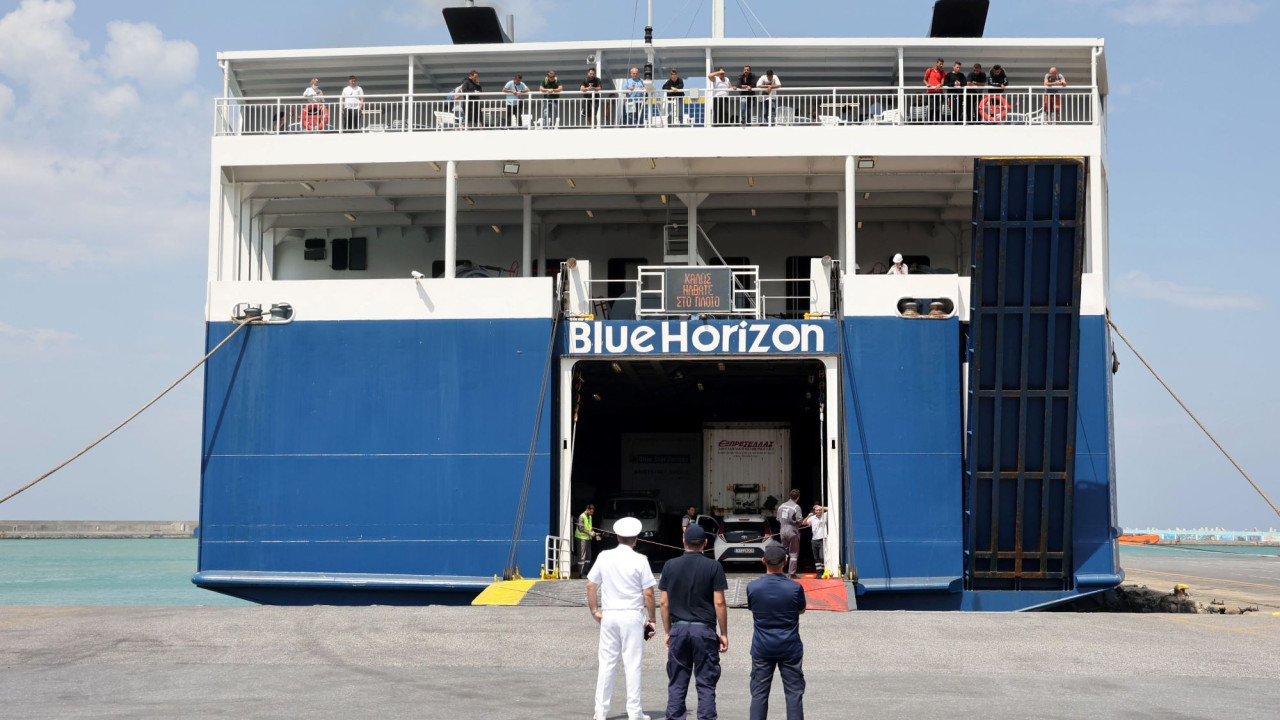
1052 103
977 85
591 97
768 84
313 93
720 96
514 89
747 87
955 82
675 97
352 104
634 88
997 80
469 86
933 79
898 267
551 105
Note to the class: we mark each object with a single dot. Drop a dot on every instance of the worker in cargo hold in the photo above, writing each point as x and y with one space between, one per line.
583 534
690 518
817 522
790 517
620 598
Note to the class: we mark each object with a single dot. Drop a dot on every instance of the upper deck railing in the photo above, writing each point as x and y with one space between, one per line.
439 112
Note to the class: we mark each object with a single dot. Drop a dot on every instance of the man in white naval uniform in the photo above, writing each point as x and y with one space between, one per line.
620 598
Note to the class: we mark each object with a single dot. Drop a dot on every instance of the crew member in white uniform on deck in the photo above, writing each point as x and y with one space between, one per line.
620 598
898 268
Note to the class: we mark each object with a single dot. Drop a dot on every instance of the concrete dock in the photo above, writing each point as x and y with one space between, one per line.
537 662
94 529
1241 580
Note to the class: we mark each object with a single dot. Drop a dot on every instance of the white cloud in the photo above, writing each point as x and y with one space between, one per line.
1181 12
26 339
530 14
117 100
38 47
1139 284
139 51
92 171
6 100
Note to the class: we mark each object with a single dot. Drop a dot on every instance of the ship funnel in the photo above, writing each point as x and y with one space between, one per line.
959 18
473 25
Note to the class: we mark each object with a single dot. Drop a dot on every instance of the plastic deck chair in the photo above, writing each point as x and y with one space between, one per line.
447 120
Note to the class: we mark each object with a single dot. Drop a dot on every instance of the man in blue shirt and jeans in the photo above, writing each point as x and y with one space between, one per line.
776 604
693 605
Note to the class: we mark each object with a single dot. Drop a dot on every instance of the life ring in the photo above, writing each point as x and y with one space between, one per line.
315 116
993 108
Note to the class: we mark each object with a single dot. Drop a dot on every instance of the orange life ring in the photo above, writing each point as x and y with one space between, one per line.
315 116
993 108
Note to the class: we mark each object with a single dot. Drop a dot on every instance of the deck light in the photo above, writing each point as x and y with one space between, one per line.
590 214
859 224
751 181
470 200
866 196
664 199
596 397
700 387
617 368
720 366
510 168
496 229
435 165
308 186
349 216
652 165
753 212
866 163
570 183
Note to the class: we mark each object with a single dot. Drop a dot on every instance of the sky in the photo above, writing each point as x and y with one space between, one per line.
105 125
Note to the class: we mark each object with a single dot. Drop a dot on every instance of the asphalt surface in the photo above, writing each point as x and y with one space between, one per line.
539 663
1240 579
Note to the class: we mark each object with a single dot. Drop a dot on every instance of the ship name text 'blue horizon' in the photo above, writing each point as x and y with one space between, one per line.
669 337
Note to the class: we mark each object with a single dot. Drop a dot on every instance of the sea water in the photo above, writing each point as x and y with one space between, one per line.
102 572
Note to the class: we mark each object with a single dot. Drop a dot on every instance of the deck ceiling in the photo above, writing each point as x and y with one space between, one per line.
800 63
617 192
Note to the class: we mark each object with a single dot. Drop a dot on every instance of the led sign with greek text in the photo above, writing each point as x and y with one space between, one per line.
697 337
698 289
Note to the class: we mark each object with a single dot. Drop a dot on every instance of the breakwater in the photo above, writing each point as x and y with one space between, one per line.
46 529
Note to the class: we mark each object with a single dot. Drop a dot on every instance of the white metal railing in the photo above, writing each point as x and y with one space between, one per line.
557 558
430 112
643 297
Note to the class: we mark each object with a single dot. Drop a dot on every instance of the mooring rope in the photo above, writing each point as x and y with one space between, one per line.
240 325
1193 416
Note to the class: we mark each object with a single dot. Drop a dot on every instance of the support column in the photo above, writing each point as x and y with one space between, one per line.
835 469
542 250
840 195
902 92
850 192
451 219
526 240
693 233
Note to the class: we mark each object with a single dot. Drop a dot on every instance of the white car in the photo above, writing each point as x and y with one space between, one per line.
647 510
743 538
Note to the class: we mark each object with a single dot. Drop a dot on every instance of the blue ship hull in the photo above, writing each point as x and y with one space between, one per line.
362 462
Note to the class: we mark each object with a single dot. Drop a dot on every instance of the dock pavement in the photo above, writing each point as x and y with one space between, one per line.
540 663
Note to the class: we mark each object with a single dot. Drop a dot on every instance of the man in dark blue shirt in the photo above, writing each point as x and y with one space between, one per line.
776 605
693 605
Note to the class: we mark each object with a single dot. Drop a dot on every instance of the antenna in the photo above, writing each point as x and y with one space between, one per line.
648 52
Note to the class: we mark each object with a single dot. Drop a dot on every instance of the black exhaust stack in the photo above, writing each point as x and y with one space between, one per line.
959 18
474 25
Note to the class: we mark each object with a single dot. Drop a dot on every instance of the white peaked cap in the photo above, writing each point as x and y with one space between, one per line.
627 527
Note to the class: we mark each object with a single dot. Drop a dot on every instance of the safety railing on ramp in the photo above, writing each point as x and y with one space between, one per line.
557 558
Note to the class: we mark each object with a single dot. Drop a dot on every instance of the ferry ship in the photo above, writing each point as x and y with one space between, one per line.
468 313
